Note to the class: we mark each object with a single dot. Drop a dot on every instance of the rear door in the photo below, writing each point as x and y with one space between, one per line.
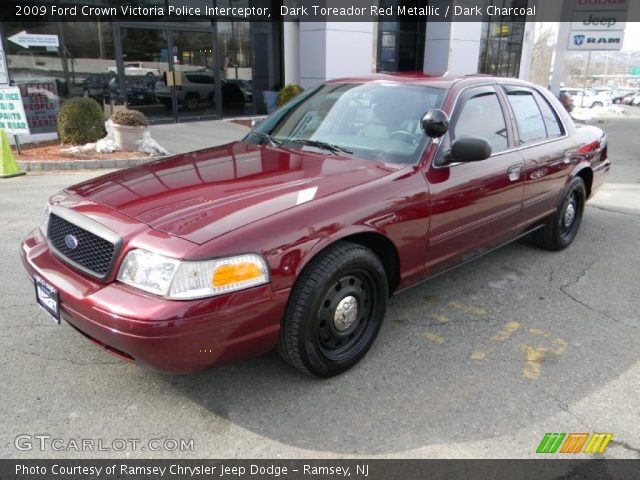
545 148
475 205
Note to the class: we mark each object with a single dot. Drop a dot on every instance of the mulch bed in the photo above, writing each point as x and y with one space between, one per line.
52 151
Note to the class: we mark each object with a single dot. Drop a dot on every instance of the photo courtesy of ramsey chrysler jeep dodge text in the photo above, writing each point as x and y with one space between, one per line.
295 237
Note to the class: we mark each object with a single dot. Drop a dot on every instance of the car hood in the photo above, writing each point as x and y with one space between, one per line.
204 194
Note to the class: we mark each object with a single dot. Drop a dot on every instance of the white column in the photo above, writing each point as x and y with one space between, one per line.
291 40
452 47
528 40
556 75
334 49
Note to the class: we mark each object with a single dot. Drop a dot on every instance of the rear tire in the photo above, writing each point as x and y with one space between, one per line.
335 310
562 227
190 102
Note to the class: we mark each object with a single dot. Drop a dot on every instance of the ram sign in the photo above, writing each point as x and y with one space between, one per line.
595 40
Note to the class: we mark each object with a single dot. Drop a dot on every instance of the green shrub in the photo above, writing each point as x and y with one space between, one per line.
288 92
80 121
130 118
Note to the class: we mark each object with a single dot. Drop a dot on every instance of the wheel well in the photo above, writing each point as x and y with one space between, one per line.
386 252
587 177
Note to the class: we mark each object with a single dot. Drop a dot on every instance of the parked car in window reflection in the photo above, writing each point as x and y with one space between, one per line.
94 85
197 90
245 86
140 91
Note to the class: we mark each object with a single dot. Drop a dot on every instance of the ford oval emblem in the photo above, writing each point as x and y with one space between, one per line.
71 242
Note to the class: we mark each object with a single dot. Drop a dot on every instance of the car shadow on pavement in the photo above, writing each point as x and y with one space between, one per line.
483 351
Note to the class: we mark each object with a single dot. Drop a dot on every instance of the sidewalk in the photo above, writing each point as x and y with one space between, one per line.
189 136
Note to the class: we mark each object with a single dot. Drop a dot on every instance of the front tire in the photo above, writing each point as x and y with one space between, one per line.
335 310
562 227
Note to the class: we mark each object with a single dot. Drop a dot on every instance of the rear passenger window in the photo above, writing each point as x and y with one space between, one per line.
554 128
481 116
531 126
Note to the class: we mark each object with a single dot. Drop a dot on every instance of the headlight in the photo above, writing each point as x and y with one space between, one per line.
178 280
148 271
44 221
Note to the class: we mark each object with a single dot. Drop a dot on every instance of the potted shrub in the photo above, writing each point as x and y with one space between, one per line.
128 128
288 92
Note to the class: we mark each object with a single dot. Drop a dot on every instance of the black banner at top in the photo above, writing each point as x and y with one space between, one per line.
316 10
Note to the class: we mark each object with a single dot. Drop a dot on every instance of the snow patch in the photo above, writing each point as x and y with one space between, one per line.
108 144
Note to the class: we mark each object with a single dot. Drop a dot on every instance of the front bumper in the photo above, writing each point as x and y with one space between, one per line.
165 335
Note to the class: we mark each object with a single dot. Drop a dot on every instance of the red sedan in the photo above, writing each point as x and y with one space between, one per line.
295 237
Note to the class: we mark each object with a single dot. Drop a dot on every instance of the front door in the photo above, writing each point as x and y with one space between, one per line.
478 204
167 72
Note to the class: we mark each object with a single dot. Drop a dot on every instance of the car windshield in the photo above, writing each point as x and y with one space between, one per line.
376 121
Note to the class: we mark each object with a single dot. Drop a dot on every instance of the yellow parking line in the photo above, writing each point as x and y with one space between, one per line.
481 312
434 338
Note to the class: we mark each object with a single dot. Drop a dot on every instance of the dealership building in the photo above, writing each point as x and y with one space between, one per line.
224 66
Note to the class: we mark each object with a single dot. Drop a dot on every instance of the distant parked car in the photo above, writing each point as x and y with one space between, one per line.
136 68
140 90
619 97
197 88
245 86
95 85
587 98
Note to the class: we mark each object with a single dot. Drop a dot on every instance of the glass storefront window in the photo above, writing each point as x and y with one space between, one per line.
127 62
400 45
38 71
501 42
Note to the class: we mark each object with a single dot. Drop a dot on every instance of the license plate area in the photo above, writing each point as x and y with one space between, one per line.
47 297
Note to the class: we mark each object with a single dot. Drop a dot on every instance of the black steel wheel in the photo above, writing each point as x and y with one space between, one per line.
335 310
562 227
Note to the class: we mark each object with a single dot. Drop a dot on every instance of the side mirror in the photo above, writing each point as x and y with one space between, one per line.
469 149
435 123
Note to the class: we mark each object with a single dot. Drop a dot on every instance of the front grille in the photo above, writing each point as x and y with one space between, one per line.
93 253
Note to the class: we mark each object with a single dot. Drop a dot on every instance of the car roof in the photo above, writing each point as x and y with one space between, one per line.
446 81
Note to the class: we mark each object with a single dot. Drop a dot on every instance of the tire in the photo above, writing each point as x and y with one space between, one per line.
190 102
596 104
314 337
562 227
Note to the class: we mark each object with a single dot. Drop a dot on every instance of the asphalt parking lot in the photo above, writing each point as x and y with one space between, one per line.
479 362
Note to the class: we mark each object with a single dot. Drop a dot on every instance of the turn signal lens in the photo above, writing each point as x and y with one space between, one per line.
215 277
235 273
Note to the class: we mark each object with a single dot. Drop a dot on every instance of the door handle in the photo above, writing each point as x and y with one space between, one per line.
514 172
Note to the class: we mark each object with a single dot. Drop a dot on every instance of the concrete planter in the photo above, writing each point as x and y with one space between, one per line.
127 138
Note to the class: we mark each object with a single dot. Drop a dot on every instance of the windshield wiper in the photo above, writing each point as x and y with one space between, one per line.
320 144
268 138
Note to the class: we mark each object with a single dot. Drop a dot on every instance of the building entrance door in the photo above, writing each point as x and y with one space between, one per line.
167 71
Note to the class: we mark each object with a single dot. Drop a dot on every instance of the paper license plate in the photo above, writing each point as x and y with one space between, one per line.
47 297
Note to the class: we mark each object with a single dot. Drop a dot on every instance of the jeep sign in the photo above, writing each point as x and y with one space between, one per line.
600 20
595 40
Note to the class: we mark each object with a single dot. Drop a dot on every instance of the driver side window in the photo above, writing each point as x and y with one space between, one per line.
481 116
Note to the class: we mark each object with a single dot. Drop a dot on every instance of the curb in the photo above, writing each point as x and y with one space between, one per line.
49 165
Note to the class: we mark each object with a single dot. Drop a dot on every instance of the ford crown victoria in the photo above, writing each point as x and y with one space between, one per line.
295 237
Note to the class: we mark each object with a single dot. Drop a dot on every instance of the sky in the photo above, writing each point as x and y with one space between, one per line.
631 36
